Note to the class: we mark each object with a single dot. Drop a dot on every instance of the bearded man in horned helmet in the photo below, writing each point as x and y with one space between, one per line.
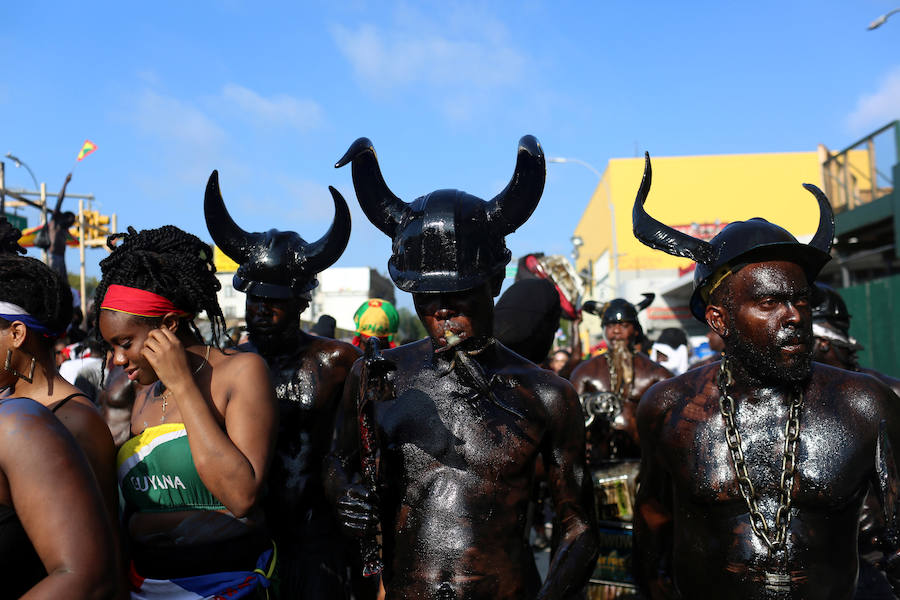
611 384
754 469
277 272
459 420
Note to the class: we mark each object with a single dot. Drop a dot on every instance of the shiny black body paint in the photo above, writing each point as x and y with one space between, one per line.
308 380
456 472
692 529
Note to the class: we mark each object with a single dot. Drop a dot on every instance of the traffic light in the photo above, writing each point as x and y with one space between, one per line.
95 223
96 228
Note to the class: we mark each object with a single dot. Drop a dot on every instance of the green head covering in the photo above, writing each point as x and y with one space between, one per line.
377 318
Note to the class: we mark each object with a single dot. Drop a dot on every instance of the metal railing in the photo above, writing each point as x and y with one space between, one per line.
863 171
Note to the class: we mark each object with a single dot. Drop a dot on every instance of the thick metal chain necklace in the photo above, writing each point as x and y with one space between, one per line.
623 390
613 374
788 464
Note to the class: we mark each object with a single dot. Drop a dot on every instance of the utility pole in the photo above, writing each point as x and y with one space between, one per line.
83 286
44 256
2 188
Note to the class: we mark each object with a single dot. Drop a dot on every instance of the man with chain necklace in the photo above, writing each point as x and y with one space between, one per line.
610 385
754 469
457 420
277 272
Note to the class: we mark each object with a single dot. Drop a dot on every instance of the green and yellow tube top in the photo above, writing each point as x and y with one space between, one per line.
157 474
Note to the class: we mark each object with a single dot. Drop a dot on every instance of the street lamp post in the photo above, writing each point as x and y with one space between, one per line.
612 215
881 20
41 187
20 163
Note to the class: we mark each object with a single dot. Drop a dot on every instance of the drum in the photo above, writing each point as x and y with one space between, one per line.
614 490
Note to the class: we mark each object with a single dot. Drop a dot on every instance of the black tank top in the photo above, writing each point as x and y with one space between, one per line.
22 567
60 404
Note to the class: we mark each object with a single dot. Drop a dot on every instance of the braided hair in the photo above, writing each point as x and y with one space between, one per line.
9 238
169 262
41 291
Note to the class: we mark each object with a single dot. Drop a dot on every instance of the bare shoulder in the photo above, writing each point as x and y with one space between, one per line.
84 420
891 382
334 353
25 423
864 393
241 359
589 367
554 392
20 414
244 368
672 392
654 369
31 440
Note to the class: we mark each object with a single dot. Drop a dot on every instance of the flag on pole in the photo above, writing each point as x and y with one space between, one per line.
86 149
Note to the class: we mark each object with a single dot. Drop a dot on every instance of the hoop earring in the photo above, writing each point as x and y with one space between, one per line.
7 366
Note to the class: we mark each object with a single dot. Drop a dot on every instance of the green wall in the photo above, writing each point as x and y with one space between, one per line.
875 324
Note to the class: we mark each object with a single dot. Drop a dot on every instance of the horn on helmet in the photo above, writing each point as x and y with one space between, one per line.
590 307
324 252
825 232
511 208
647 301
381 206
662 237
231 239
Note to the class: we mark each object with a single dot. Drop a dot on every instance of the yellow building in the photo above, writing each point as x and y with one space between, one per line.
699 195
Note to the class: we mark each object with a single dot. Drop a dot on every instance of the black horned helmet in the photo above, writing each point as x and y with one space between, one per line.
828 306
619 310
448 240
275 264
737 245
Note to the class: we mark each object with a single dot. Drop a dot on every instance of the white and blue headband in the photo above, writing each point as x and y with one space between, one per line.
14 312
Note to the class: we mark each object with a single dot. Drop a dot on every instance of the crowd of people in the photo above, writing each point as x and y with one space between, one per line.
141 457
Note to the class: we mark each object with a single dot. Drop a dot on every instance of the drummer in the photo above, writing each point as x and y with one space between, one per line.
623 372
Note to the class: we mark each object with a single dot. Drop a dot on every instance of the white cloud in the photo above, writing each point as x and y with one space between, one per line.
387 60
171 119
875 109
281 109
176 136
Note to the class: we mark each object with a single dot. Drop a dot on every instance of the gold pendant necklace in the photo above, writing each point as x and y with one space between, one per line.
168 393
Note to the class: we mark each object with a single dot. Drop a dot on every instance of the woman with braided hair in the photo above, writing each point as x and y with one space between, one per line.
203 426
55 539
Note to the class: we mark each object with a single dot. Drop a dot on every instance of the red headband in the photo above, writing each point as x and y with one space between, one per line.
141 303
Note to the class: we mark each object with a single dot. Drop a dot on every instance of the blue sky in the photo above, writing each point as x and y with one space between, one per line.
271 94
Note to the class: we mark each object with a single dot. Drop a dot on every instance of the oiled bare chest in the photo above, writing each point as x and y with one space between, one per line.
600 380
433 422
834 458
